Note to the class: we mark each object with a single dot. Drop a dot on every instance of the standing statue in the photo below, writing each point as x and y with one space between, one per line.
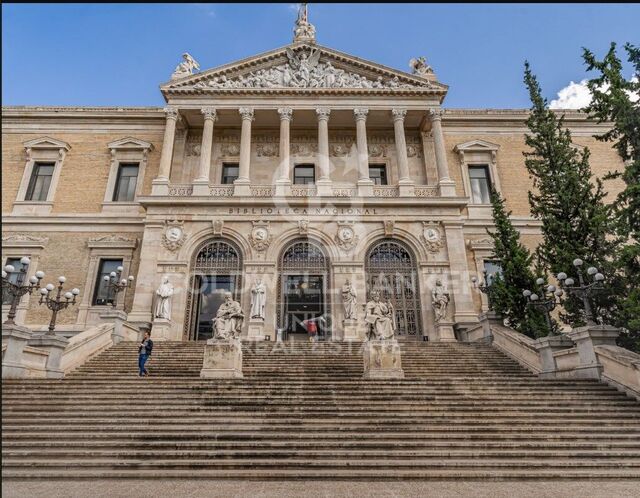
380 317
258 299
304 30
440 300
349 297
186 67
227 323
163 300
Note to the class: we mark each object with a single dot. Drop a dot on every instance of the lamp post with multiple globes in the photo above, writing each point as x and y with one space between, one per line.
115 284
16 289
583 289
545 299
60 302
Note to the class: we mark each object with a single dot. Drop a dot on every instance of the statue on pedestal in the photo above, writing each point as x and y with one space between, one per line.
349 297
380 317
440 300
186 67
227 324
258 299
304 30
164 294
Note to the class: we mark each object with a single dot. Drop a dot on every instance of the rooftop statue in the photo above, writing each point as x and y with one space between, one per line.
304 30
186 67
420 66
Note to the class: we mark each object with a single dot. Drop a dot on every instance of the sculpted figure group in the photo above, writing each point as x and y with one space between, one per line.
227 324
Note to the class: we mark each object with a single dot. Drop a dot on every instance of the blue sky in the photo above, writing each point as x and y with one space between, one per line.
118 54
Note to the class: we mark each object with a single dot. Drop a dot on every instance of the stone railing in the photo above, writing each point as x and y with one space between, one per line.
221 190
426 191
262 191
85 345
303 190
582 353
180 190
386 191
344 191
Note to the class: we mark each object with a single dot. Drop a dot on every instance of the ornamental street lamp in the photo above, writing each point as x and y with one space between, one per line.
483 286
57 304
545 299
582 290
17 290
115 284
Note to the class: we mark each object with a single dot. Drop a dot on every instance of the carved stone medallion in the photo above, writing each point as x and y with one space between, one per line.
173 235
303 227
260 237
432 236
346 237
217 226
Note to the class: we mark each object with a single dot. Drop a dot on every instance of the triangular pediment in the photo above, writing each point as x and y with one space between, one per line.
476 146
46 143
304 68
129 143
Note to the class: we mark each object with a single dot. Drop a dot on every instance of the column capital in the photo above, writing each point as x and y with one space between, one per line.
360 113
323 113
435 114
209 113
246 113
398 114
171 112
286 113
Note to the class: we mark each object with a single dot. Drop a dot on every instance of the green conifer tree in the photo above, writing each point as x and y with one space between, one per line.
568 200
616 99
505 291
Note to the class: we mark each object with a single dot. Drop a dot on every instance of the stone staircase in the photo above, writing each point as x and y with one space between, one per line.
303 411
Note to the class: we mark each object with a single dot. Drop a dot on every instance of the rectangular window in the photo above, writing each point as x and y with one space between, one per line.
101 295
480 184
125 190
230 173
40 181
304 174
492 268
378 173
14 277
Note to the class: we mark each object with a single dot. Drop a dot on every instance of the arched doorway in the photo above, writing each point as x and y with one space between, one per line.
390 268
216 268
303 287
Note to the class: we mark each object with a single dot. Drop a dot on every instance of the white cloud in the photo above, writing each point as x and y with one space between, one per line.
572 96
577 96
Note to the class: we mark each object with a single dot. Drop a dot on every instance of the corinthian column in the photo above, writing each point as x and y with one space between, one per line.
242 183
201 183
365 184
446 185
160 184
283 183
405 183
324 183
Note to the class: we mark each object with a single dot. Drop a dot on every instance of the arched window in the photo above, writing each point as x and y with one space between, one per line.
390 269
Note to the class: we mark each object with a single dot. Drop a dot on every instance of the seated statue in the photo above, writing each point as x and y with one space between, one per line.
227 324
380 317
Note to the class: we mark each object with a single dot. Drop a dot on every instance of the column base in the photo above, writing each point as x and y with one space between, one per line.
382 360
255 331
324 188
201 187
222 360
365 188
406 188
160 186
241 188
283 188
447 188
444 332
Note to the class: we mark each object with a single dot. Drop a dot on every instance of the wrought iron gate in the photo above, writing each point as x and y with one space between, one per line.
390 269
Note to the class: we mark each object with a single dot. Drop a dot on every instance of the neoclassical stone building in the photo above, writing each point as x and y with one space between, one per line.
302 167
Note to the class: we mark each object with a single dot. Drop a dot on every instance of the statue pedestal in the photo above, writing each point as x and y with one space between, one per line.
222 359
161 330
350 331
382 360
255 332
444 332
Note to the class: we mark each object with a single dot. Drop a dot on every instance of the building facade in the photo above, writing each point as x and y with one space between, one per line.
300 168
